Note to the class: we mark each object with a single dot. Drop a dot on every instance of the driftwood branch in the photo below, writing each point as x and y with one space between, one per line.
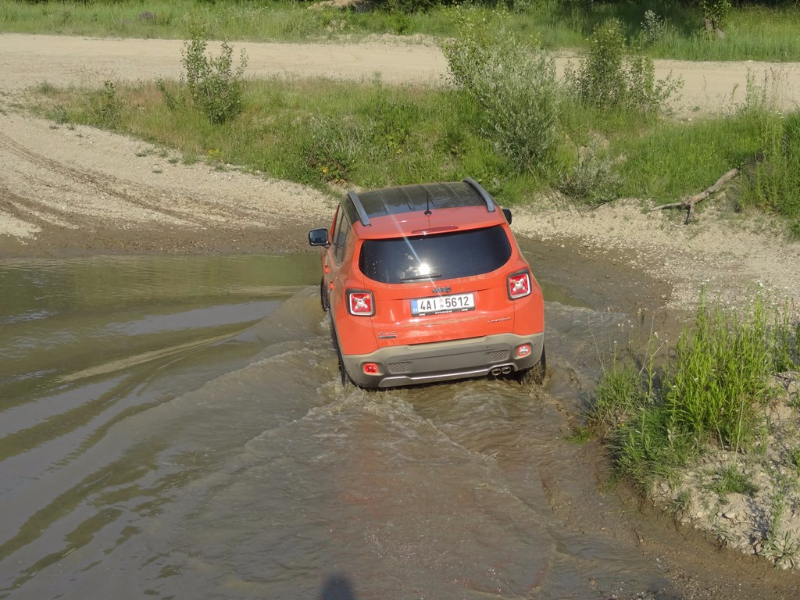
689 202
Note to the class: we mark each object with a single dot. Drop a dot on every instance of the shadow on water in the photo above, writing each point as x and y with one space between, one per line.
337 587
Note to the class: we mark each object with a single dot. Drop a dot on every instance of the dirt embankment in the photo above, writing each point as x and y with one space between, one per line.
78 190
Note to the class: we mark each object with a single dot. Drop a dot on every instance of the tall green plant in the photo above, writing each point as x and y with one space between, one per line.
715 14
721 370
611 76
516 91
214 86
710 392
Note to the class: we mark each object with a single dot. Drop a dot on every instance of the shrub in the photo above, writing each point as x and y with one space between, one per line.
715 13
516 91
593 178
107 107
215 88
610 77
653 28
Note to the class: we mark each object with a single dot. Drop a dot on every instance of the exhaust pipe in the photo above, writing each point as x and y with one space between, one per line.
506 370
496 371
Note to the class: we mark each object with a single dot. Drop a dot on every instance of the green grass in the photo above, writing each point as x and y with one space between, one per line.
316 132
679 159
773 183
752 33
709 393
733 481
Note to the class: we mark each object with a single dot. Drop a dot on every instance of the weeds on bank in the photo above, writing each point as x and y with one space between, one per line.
211 84
772 183
708 394
782 549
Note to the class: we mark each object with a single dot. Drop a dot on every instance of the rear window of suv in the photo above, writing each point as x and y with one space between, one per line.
443 256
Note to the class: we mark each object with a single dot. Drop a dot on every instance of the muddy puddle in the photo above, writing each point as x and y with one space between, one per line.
174 428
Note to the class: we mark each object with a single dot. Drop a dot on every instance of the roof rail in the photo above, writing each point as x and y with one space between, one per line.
362 214
482 192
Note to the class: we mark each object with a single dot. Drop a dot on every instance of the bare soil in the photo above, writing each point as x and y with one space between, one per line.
73 191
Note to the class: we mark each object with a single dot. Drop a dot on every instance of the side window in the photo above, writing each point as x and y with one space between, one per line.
340 236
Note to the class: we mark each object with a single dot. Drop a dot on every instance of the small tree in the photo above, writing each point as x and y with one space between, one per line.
517 93
215 88
715 13
611 77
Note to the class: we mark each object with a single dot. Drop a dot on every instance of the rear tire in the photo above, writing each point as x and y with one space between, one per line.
539 370
536 373
342 371
323 297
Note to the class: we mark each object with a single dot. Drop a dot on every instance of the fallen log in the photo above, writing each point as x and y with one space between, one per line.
689 202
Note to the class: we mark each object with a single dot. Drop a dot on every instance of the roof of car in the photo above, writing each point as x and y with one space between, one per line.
427 198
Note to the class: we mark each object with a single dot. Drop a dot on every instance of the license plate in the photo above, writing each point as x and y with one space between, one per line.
438 305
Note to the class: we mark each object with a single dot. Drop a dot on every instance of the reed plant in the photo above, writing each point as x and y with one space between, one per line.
709 393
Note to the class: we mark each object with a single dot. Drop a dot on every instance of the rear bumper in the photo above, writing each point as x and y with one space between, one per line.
444 361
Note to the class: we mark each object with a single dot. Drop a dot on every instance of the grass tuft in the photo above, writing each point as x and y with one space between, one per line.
733 481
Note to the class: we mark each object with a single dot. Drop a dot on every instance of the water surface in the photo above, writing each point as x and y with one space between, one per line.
174 427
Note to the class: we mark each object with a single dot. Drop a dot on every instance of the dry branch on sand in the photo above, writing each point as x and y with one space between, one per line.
690 202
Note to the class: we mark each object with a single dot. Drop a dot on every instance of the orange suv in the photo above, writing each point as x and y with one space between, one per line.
426 283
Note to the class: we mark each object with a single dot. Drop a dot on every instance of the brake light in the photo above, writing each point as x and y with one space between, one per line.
360 304
371 369
519 285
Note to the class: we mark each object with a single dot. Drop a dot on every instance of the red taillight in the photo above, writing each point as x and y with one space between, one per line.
519 285
523 351
371 369
360 304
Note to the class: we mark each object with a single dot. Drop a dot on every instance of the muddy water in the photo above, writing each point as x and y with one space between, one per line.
173 427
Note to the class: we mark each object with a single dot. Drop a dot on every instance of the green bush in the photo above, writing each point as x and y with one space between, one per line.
611 77
715 14
215 88
653 27
517 93
592 179
107 106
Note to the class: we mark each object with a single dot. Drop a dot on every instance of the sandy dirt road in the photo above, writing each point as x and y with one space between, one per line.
29 59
